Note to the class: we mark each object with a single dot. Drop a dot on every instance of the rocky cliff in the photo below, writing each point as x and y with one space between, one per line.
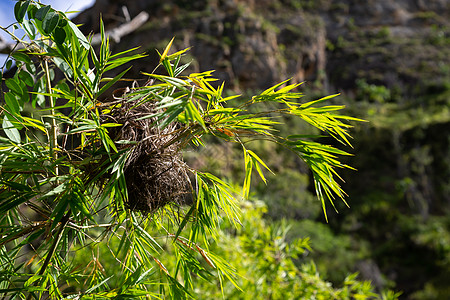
391 60
256 43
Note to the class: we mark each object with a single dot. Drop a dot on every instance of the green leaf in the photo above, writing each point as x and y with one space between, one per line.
184 222
109 84
20 9
8 64
12 103
63 66
26 78
62 22
39 88
13 202
163 56
176 54
14 86
50 22
258 161
80 36
42 12
98 285
248 174
31 12
11 132
59 35
20 56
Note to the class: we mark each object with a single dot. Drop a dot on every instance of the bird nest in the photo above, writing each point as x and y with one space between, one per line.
154 170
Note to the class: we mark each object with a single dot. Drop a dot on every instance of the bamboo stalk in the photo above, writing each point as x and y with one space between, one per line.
53 129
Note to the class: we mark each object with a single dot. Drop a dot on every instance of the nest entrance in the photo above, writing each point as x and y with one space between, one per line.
154 171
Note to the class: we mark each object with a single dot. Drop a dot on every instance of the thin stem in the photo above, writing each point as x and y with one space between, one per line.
52 249
53 128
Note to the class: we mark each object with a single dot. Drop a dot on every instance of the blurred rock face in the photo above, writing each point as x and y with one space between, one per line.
393 55
254 44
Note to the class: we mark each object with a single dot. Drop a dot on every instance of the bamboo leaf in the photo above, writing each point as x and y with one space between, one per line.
164 54
91 289
248 174
110 83
79 35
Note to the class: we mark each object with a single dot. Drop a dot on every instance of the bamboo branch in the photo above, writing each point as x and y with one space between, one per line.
53 130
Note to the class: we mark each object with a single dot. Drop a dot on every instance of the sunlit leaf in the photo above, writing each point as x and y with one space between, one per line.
166 51
20 9
42 12
10 130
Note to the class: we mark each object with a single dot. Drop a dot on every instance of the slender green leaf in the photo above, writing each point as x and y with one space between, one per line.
110 83
79 35
166 51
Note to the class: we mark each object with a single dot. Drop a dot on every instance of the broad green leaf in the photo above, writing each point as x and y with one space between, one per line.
63 66
26 78
20 9
14 86
12 102
31 11
59 35
42 12
62 21
8 64
20 56
50 22
10 130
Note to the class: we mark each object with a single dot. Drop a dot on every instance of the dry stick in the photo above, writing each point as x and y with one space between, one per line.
117 33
